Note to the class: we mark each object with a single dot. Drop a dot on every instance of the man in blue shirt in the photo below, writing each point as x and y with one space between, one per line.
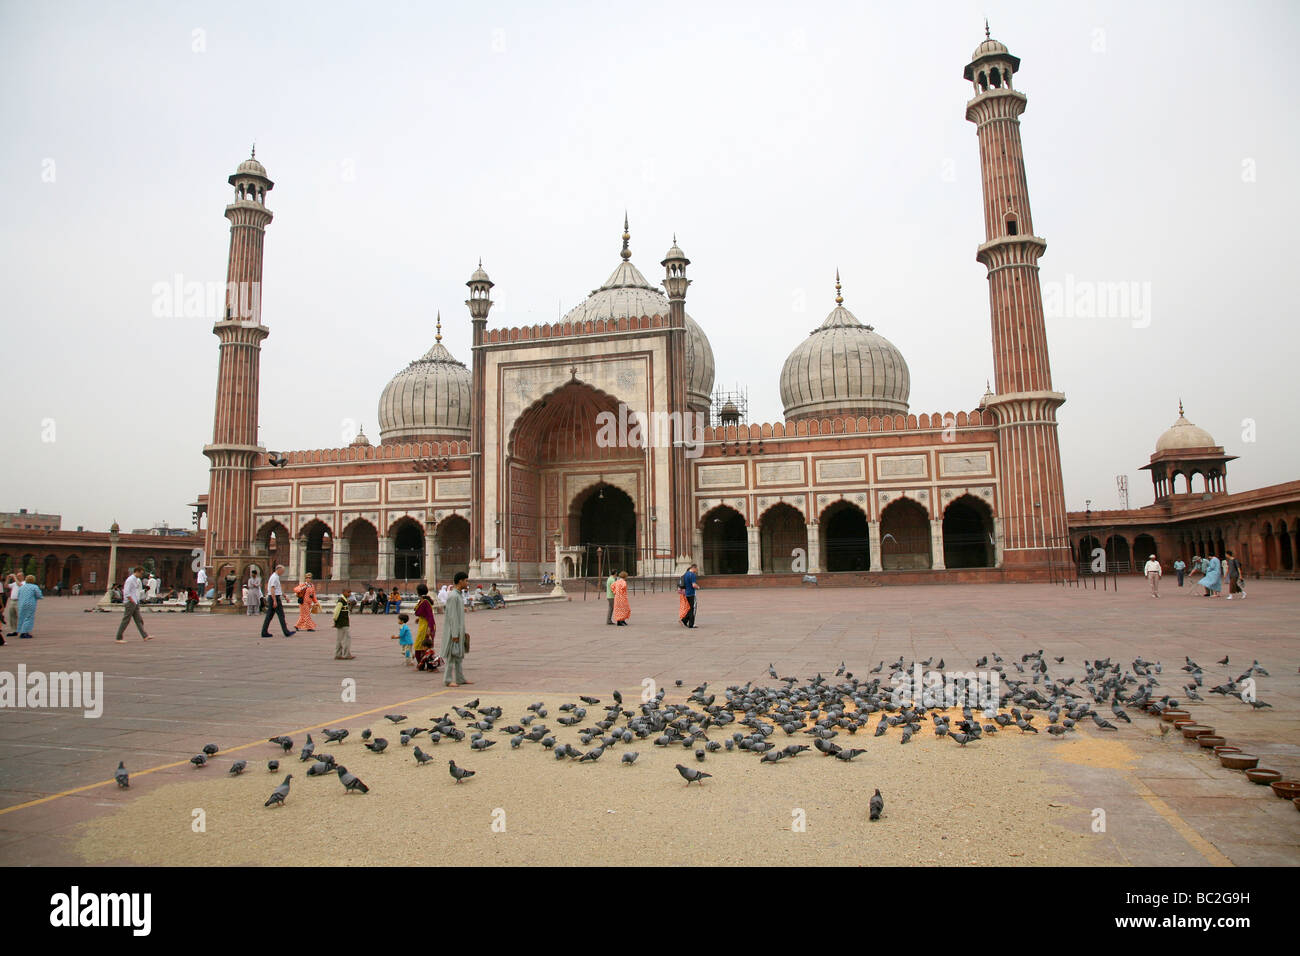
689 587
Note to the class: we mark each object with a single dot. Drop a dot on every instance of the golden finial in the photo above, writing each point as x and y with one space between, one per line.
986 28
839 299
438 337
626 253
254 150
1180 408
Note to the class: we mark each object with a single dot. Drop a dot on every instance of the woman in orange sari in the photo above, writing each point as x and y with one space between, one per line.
306 603
622 610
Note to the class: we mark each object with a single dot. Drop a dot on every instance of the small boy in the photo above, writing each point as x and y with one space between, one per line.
343 638
405 639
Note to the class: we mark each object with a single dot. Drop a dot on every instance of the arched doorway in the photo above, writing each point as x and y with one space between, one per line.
408 550
846 538
1088 544
1285 554
967 534
726 541
317 559
782 533
1143 547
72 572
363 550
1118 556
451 541
606 519
273 541
904 536
50 574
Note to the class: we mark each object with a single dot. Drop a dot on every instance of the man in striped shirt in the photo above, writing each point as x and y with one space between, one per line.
275 603
132 591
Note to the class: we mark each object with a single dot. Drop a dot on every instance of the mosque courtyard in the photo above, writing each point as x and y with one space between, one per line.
1131 796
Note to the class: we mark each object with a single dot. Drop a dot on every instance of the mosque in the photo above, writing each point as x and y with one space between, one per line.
595 442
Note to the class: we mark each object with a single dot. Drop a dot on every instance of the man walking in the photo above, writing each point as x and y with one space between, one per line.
14 585
1234 577
275 603
1181 568
1152 571
455 641
689 587
609 596
132 591
202 580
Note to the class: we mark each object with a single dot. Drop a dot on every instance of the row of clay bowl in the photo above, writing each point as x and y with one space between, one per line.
1232 757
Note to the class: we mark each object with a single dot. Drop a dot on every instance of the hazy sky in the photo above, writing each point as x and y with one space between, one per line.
779 141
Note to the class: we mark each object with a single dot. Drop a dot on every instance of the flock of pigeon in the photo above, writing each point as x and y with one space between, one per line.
819 709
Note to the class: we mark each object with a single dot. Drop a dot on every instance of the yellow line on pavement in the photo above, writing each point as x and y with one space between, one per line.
1185 829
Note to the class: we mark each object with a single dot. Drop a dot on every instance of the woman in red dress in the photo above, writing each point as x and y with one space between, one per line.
306 603
622 610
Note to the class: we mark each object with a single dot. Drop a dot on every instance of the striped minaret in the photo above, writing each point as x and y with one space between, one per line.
234 449
1024 405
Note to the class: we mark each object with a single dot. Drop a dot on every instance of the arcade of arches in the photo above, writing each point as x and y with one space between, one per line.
1265 545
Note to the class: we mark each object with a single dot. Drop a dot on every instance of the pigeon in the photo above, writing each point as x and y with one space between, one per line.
306 752
592 755
273 765
691 775
772 756
962 739
420 756
847 755
459 773
279 793
238 767
395 718
334 736
482 743
377 745
123 780
907 734
1056 730
1103 724
590 700
630 757
1224 661
699 755
199 760
210 749
405 740
366 734
350 781
278 740
877 805
515 741
319 769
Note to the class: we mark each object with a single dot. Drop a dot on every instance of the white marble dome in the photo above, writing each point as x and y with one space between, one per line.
1183 434
627 294
429 400
844 368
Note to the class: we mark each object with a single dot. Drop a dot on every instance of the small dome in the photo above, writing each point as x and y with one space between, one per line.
1183 434
251 167
429 400
479 276
627 294
989 47
361 441
844 368
674 253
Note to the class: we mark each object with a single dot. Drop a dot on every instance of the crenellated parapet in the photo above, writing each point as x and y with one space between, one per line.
393 452
562 330
850 425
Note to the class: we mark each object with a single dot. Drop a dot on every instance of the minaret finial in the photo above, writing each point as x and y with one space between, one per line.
986 28
254 149
839 299
626 253
438 338
1180 408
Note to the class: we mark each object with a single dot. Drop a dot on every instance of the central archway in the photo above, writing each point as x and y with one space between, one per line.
782 535
847 539
606 519
967 534
408 550
904 536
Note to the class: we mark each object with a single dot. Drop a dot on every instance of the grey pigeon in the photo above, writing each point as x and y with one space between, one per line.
482 743
273 765
847 755
123 780
350 781
395 718
592 755
877 805
772 756
420 756
238 767
319 769
366 734
335 736
630 756
405 740
279 793
377 745
305 754
210 749
699 755
458 772
962 739
199 760
1103 724
691 775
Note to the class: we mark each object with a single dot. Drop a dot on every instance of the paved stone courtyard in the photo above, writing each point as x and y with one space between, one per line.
1008 799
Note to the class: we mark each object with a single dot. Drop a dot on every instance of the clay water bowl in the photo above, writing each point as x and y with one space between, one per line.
1226 749
1171 715
1287 789
1191 731
1239 761
1209 740
1264 775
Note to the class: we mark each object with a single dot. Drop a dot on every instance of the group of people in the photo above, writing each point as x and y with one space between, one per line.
620 609
1214 573
419 649
18 600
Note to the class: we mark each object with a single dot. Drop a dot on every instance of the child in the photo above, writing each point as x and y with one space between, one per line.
343 639
404 637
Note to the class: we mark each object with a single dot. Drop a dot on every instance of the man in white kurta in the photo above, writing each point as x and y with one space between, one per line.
132 592
454 638
1152 571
